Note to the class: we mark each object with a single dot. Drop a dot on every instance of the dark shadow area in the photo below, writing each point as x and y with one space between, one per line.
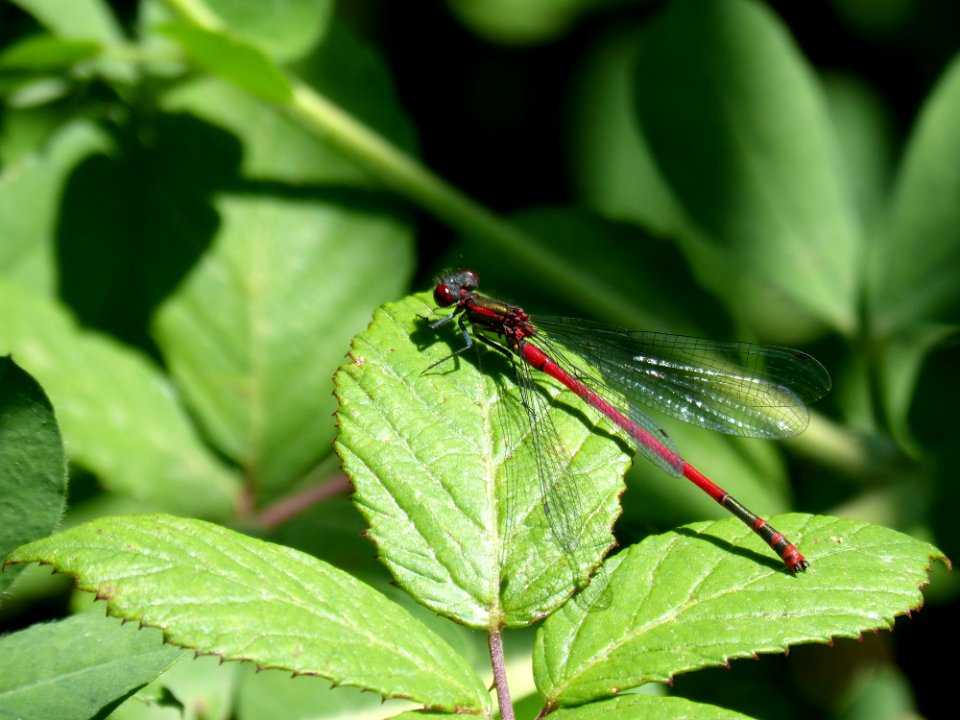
134 222
760 558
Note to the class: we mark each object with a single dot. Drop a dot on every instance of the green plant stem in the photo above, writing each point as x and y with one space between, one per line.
495 642
409 178
197 12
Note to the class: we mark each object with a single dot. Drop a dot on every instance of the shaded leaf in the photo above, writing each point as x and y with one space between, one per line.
740 130
78 667
612 163
217 591
914 267
706 593
33 471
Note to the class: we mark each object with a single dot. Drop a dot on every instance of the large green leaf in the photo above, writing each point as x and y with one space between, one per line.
710 592
217 591
443 466
33 471
740 130
913 278
78 667
255 332
119 414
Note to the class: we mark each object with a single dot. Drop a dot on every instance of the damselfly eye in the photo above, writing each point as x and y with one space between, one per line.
443 295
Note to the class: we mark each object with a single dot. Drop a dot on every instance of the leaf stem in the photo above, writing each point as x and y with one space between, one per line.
495 642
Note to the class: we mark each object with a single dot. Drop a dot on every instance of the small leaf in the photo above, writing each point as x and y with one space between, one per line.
217 591
232 59
78 667
445 475
706 593
33 471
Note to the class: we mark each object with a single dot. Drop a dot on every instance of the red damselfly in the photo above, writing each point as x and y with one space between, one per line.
732 387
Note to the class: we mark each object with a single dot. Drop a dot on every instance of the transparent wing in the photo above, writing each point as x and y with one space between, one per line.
731 387
558 487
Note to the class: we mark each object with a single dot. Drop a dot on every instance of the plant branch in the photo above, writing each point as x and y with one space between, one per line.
495 642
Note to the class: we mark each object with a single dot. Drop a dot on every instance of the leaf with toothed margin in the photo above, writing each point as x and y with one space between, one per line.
446 475
219 592
707 593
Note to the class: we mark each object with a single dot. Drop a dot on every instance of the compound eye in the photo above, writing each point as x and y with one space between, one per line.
470 280
443 296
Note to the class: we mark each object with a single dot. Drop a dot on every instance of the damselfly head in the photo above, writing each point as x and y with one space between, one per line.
451 287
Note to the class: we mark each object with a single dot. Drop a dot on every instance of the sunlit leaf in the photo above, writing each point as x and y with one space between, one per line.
217 591
707 593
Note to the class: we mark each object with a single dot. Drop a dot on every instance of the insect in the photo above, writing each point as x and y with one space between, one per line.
731 387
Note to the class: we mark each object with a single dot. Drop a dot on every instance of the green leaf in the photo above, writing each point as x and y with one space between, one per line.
612 163
217 591
192 682
78 667
260 694
629 707
914 267
706 593
445 475
80 19
255 332
283 29
33 471
43 53
31 192
864 127
519 21
740 130
119 415
233 60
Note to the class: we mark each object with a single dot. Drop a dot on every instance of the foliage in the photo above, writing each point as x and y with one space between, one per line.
203 201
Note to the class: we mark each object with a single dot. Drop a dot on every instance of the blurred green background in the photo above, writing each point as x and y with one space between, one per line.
189 239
